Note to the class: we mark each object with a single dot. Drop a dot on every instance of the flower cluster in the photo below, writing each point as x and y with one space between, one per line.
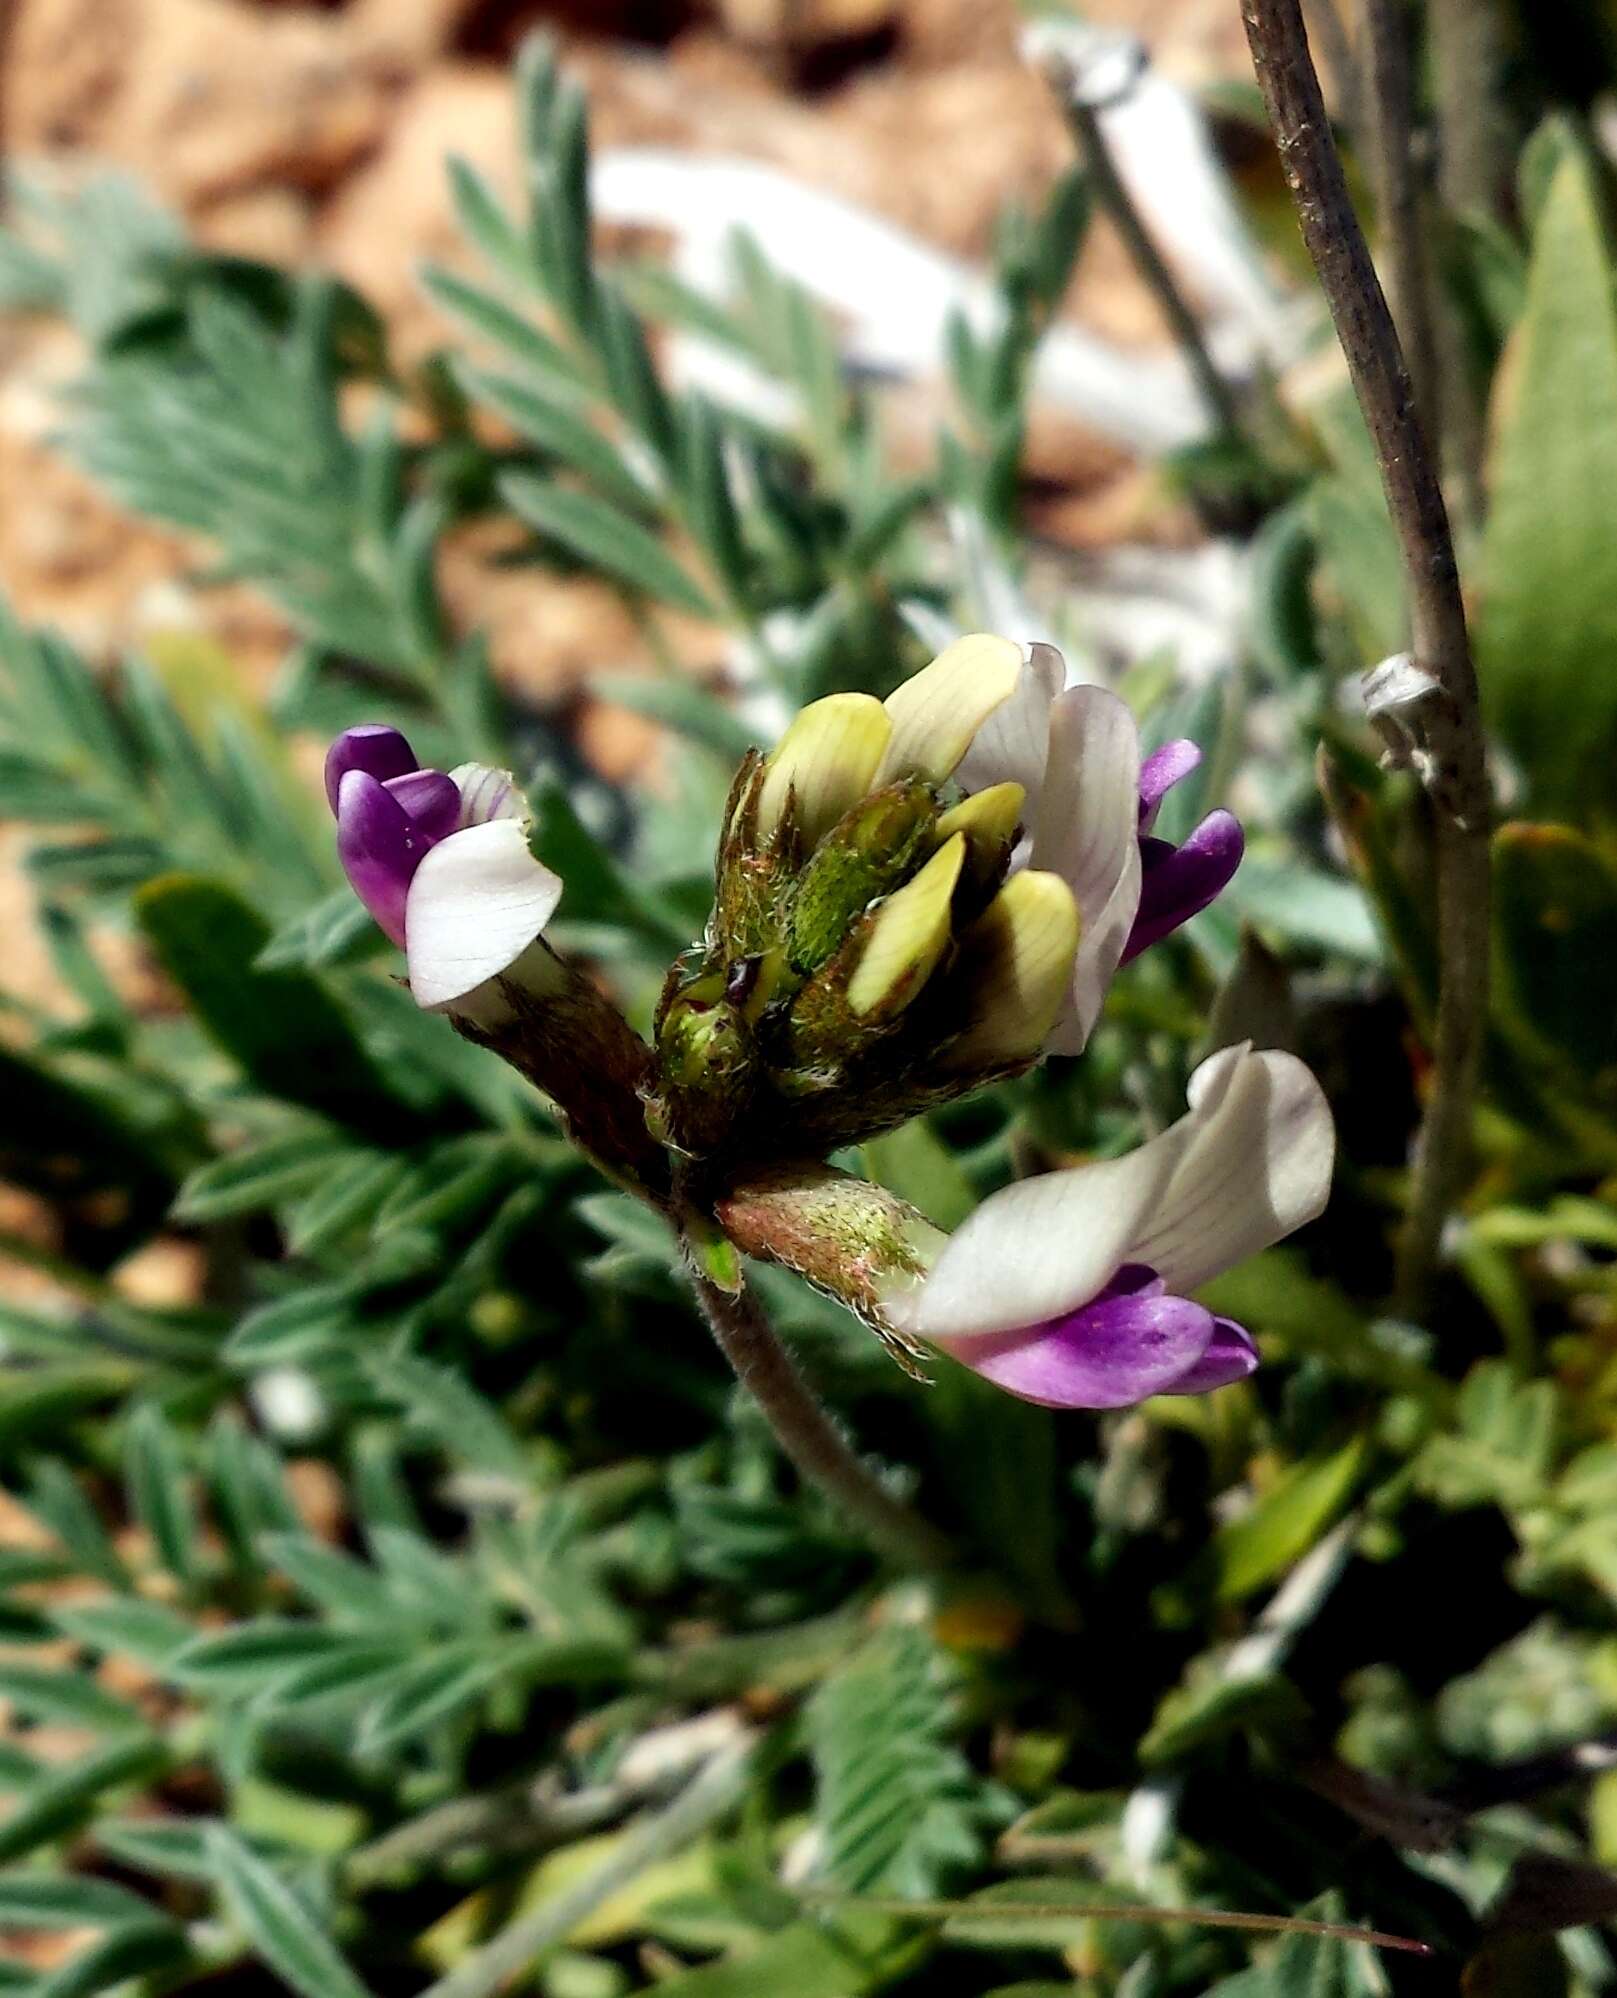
913 897
920 895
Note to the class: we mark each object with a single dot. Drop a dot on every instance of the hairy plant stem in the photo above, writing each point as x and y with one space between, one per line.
807 1434
1083 121
1453 760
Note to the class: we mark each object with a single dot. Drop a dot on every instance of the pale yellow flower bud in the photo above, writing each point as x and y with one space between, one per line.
1017 960
907 936
825 762
937 712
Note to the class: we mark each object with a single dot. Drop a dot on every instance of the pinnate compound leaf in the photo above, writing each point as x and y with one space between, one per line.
897 1805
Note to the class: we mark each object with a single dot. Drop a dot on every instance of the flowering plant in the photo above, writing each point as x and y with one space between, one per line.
397 1590
913 898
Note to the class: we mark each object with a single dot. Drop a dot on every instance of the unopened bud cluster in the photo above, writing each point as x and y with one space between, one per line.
869 953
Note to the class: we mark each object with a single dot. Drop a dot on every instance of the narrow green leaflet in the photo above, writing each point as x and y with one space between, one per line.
605 536
63 1798
158 1490
1263 1543
1546 623
71 1699
146 1631
258 1178
64 1901
124 1953
281 1927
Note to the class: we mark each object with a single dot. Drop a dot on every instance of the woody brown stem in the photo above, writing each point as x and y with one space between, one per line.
1454 760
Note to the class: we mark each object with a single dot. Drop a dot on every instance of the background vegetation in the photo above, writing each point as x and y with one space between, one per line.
419 1606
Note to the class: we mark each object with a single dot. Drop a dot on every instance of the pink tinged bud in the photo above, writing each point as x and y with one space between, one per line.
1178 882
1130 1342
391 814
380 751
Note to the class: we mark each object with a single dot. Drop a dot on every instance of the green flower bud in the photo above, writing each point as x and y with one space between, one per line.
823 765
706 1062
867 854
867 957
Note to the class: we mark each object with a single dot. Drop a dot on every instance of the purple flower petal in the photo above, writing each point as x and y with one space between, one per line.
1159 773
381 752
1231 1355
431 801
1180 881
1125 1345
379 848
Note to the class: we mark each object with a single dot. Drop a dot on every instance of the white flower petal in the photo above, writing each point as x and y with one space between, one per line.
1013 744
478 899
1257 1167
1042 1247
1087 831
1250 1162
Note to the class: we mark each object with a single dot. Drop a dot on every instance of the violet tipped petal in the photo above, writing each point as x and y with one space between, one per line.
1231 1355
1180 881
375 748
1159 773
378 848
431 800
486 793
1125 1345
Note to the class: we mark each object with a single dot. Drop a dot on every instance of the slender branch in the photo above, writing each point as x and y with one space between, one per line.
1327 21
1469 40
717 1789
1084 122
1398 196
1003 1912
1451 751
807 1434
